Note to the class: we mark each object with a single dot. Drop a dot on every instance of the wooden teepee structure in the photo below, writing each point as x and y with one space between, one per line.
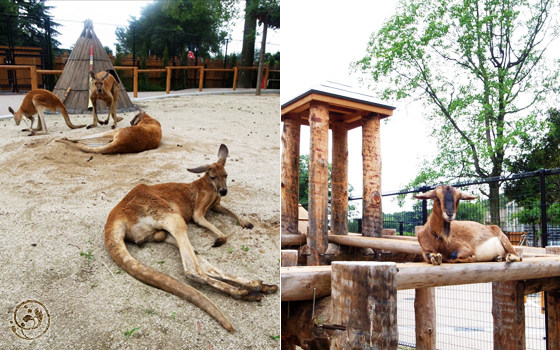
76 75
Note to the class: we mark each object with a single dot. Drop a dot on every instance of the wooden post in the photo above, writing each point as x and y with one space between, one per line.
33 73
364 296
201 81
425 317
135 82
372 217
289 258
508 311
168 84
318 182
553 319
235 73
267 72
339 179
290 174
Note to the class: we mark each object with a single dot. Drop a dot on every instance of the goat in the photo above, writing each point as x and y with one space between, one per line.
160 213
143 134
444 240
35 102
104 87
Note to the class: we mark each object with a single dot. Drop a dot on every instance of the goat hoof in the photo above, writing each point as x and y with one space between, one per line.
436 259
498 258
219 241
513 258
269 288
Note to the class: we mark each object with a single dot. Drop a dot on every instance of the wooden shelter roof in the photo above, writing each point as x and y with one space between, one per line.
345 103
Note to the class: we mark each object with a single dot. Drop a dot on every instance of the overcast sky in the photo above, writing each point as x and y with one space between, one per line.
107 15
319 44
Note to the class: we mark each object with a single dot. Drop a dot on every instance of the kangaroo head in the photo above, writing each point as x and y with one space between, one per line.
446 201
216 173
98 82
18 116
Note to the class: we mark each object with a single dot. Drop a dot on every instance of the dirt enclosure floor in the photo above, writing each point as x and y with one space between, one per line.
54 203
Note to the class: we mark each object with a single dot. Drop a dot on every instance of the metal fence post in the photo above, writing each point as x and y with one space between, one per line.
401 228
544 220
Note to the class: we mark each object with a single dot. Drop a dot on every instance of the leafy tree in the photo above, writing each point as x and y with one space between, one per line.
119 55
176 24
480 69
108 50
144 81
165 63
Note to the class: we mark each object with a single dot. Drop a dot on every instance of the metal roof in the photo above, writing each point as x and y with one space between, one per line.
342 91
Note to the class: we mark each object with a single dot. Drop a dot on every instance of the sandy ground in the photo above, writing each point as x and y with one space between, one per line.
55 201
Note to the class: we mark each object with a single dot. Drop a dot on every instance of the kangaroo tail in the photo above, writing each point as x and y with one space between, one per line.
64 113
114 242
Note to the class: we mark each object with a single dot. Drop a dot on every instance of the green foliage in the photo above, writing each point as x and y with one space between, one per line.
89 256
244 248
479 68
108 50
128 333
119 55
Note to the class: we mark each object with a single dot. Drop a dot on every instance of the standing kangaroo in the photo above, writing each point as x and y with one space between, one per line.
143 134
105 88
35 102
160 213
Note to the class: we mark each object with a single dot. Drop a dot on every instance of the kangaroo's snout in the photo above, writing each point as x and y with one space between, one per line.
222 192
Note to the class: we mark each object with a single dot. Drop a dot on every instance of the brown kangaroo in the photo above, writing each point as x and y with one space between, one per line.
35 102
143 134
160 213
105 88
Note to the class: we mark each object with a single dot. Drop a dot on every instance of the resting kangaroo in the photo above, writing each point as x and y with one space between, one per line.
143 134
443 239
35 102
160 213
105 88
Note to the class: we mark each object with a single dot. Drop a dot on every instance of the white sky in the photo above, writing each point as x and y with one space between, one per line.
319 42
107 15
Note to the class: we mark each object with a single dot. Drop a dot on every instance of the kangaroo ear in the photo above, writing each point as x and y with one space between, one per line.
198 170
92 74
105 76
426 195
11 110
222 154
467 197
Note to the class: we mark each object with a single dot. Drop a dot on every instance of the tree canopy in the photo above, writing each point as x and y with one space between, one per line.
479 67
178 24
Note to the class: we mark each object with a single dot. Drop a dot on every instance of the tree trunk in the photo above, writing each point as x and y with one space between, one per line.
261 58
248 50
317 239
339 180
372 216
290 174
494 203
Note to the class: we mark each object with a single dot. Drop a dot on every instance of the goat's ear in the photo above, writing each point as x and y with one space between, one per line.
426 195
11 110
467 197
198 170
222 154
92 74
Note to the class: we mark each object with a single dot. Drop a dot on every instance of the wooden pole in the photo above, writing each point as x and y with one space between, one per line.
289 258
135 82
168 83
508 311
235 74
553 318
201 81
425 317
372 215
339 179
290 174
318 182
33 73
267 72
364 297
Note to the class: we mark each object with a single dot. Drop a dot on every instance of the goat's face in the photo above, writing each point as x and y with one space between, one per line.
446 201
216 173
97 85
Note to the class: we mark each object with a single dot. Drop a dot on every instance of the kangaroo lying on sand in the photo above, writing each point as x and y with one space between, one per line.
143 135
105 88
160 213
35 102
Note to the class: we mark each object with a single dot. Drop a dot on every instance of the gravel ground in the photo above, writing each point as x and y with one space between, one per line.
54 204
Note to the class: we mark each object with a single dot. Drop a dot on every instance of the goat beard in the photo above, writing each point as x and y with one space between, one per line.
446 228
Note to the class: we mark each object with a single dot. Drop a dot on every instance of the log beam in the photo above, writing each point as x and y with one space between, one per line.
508 311
290 174
364 299
372 215
400 246
339 179
553 318
318 182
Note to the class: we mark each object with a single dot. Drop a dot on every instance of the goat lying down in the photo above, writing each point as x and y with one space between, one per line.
443 239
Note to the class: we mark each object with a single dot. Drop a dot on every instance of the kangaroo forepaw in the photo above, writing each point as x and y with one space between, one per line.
435 258
219 241
513 258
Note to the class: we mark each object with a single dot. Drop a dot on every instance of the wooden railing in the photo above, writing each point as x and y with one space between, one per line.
33 72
